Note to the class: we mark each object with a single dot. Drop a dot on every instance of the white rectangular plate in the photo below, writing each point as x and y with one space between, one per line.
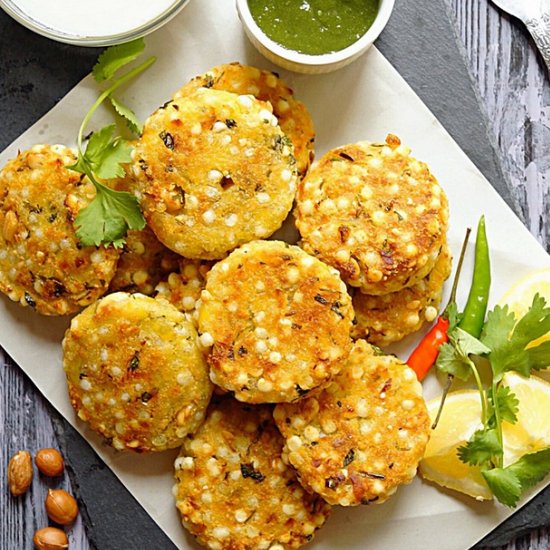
365 101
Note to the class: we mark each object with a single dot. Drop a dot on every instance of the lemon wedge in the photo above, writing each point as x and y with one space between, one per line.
460 418
519 296
531 432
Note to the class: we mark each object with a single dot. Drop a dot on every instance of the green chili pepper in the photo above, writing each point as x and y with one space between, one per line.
476 306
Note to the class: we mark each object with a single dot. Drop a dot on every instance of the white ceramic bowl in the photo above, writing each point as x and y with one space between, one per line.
312 64
92 23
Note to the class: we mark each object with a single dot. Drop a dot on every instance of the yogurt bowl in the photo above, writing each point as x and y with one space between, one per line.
294 60
92 22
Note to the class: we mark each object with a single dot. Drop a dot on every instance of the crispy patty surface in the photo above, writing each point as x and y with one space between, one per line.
42 264
214 170
375 213
278 321
383 320
361 437
293 116
135 372
232 488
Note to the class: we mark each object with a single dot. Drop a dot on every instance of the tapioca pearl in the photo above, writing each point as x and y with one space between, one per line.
378 217
366 192
282 106
245 101
343 203
294 443
249 152
265 115
430 313
407 404
260 231
209 216
286 174
375 162
196 129
343 255
328 425
260 346
234 150
394 189
214 175
298 423
327 206
307 261
263 198
242 379
116 371
386 151
219 126
104 354
231 220
298 297
273 342
311 433
292 275
206 340
264 385
260 332
191 201
361 408
275 357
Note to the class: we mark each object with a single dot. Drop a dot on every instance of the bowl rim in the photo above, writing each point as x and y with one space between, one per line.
385 8
13 10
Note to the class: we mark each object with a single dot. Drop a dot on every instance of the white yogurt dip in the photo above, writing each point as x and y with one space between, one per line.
92 22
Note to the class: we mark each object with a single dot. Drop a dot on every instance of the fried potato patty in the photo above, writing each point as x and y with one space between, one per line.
375 213
363 436
214 170
232 488
383 320
278 319
293 116
144 395
42 264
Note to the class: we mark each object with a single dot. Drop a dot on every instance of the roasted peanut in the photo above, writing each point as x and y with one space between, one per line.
20 473
49 462
50 538
61 507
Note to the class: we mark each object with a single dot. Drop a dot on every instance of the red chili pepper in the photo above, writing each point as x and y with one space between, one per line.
425 354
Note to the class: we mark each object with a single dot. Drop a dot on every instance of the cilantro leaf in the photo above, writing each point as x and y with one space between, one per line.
508 340
507 403
116 57
499 325
117 153
128 115
507 484
504 484
108 217
452 315
452 362
468 344
481 448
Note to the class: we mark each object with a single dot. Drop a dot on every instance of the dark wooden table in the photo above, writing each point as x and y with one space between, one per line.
514 92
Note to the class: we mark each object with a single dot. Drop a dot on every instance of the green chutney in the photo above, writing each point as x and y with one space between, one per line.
314 26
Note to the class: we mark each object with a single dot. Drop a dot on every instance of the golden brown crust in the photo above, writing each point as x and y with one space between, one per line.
293 116
213 171
375 213
232 488
42 264
144 395
363 436
383 320
278 319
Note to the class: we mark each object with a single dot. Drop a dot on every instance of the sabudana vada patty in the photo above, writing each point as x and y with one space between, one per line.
42 263
385 319
183 288
143 263
293 116
214 170
363 436
232 488
375 213
135 372
279 322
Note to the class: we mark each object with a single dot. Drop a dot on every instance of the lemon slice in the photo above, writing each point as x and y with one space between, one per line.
519 296
460 418
532 430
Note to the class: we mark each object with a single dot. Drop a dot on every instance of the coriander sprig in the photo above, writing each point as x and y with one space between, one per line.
506 343
109 216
